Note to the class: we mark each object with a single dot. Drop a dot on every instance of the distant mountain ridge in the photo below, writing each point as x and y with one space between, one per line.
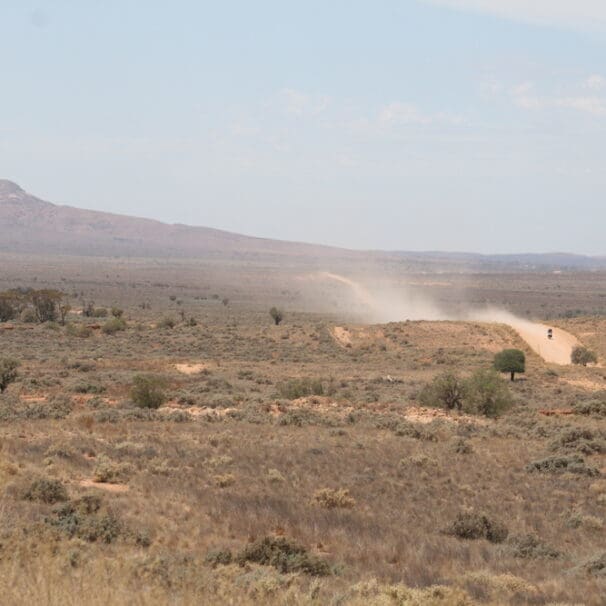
31 225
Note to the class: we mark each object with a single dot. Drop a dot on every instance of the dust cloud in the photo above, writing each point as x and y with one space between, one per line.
381 303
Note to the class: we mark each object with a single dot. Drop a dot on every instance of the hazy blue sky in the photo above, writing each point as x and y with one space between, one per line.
473 125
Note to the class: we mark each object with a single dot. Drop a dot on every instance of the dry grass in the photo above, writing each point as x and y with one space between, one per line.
360 477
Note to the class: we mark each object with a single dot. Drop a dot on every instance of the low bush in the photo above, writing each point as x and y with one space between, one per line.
147 391
593 407
300 388
219 557
582 441
47 491
595 566
583 356
329 498
487 394
528 546
472 525
8 372
82 519
284 555
167 322
571 464
446 390
113 326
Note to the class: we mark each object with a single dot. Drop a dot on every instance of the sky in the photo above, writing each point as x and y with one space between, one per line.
452 125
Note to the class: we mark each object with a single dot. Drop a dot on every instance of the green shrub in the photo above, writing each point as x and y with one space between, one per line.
117 312
300 388
528 546
472 525
99 312
108 472
78 330
113 326
81 519
219 557
593 407
582 441
276 315
284 555
147 391
571 464
582 356
595 566
167 322
47 491
446 390
486 394
8 309
8 372
511 361
28 316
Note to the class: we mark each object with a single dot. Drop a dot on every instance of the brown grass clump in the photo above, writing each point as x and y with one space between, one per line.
330 498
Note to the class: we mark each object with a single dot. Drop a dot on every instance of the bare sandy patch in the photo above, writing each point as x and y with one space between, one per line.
33 398
419 414
342 336
191 369
117 488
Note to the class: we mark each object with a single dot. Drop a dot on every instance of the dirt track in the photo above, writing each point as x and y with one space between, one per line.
556 350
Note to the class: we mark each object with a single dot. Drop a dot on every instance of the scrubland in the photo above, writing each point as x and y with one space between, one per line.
291 464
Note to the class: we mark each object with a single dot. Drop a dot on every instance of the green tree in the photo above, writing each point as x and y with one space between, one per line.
511 361
8 308
486 393
583 356
446 390
147 391
276 315
45 303
8 372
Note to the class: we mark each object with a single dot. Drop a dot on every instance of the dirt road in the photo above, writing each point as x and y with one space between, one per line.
556 350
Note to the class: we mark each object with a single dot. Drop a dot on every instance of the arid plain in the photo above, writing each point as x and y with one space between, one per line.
296 463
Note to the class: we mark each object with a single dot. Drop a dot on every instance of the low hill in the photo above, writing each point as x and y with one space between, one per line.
31 225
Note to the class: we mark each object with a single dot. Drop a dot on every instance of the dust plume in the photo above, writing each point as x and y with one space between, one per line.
381 302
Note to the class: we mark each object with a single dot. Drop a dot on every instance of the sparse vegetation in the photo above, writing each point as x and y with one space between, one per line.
583 356
256 432
8 372
276 315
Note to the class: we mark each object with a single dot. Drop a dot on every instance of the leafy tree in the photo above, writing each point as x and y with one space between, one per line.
8 309
447 390
276 315
510 360
486 394
147 391
8 372
583 356
45 303
64 309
